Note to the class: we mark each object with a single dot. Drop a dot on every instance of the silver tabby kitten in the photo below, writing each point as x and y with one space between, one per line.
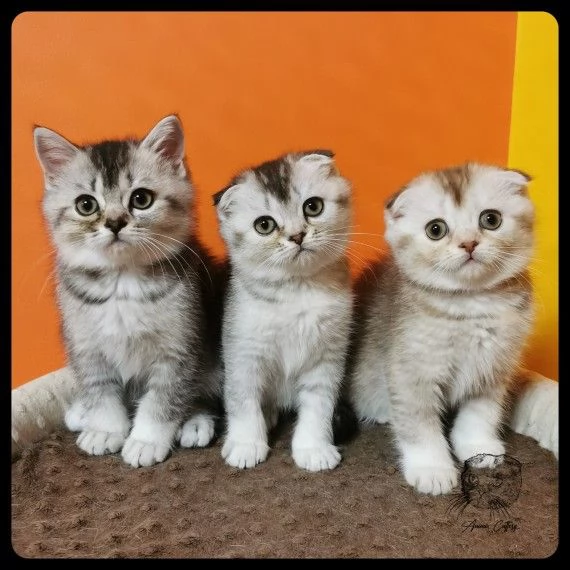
138 305
288 309
443 325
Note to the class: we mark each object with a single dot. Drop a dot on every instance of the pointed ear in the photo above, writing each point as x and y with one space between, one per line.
167 139
54 152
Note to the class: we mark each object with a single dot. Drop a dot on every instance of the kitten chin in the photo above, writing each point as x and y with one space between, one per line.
431 334
139 295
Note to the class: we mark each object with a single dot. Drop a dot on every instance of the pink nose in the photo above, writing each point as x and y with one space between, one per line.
298 238
469 246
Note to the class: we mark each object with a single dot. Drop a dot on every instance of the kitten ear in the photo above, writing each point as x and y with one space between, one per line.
393 206
508 180
321 161
54 152
514 178
167 139
317 158
318 155
223 199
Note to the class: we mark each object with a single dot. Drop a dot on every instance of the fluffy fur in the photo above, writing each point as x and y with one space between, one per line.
288 310
136 291
442 322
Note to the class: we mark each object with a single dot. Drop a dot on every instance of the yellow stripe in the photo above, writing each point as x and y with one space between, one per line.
533 147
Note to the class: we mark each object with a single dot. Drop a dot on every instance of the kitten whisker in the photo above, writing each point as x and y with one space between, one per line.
175 256
50 276
151 256
166 257
189 249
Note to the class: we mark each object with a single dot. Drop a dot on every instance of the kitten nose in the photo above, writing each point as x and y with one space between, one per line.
469 246
116 224
298 238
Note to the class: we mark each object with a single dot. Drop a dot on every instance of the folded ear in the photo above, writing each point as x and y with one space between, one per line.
224 198
318 155
515 179
54 152
167 139
393 208
318 161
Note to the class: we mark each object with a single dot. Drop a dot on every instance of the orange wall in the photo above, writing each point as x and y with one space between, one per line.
391 93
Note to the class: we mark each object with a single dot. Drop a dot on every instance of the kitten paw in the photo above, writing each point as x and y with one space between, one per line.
143 454
197 432
489 448
320 458
431 479
244 455
100 442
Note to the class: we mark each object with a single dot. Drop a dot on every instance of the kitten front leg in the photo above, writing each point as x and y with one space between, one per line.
312 443
158 416
476 428
245 444
426 461
98 412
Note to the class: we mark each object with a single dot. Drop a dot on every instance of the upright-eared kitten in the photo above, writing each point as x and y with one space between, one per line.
443 325
288 309
135 290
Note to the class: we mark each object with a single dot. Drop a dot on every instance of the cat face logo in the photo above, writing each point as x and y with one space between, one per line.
489 482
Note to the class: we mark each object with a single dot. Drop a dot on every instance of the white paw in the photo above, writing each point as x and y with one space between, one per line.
465 450
144 454
244 455
197 432
325 456
430 478
100 442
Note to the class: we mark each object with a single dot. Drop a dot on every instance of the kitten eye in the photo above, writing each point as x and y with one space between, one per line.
141 199
490 219
313 206
86 205
264 225
436 229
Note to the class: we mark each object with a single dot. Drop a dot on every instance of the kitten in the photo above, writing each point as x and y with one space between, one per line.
138 307
443 325
288 309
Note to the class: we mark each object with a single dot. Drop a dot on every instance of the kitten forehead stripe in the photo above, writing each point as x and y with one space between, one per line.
274 176
454 181
110 157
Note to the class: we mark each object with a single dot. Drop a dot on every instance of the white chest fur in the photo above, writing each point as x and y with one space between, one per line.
131 328
471 340
288 334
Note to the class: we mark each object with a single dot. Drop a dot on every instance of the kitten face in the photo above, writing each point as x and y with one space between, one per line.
116 203
289 216
462 228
